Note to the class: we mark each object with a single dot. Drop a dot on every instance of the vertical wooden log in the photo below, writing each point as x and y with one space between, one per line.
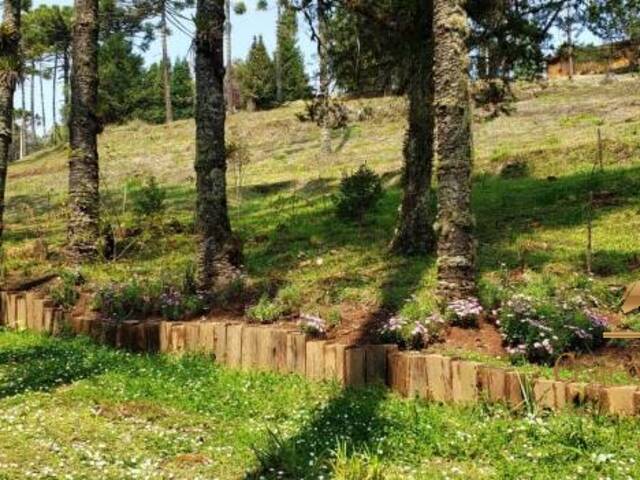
220 341
192 336
250 347
59 321
315 365
165 336
234 346
439 378
493 383
354 367
398 373
464 382
207 336
296 353
376 362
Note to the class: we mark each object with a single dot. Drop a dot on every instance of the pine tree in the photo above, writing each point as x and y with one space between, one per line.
292 77
182 90
455 224
84 193
256 77
9 74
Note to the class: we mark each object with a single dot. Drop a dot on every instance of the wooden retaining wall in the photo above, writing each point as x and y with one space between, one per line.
284 349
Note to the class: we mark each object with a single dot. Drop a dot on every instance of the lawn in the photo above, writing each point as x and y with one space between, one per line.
71 409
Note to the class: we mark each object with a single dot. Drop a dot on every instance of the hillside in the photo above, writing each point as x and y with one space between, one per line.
534 227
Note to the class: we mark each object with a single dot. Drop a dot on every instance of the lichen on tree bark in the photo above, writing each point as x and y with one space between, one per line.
219 253
84 179
455 224
414 233
9 73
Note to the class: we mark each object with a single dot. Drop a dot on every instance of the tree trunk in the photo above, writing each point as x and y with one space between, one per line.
278 54
32 94
54 83
66 83
219 255
228 79
84 194
456 243
166 67
414 234
325 130
10 60
42 109
23 122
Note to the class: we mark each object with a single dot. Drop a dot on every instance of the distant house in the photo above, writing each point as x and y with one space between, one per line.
591 59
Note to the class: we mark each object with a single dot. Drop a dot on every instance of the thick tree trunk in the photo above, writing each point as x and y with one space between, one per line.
166 67
455 226
325 130
219 255
414 234
9 62
84 196
42 109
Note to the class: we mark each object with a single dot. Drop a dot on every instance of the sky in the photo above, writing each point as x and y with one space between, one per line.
244 28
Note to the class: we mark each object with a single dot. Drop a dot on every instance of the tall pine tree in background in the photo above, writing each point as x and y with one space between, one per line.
256 77
291 77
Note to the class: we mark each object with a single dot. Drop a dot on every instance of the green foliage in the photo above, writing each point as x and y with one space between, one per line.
64 292
150 105
265 311
541 329
295 84
256 77
138 299
359 193
149 198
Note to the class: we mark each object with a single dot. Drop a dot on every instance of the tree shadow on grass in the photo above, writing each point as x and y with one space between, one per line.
53 363
350 421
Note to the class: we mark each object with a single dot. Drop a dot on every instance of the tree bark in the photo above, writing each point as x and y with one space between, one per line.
455 225
42 109
32 95
9 73
414 234
325 130
166 66
228 79
279 89
54 83
84 194
219 253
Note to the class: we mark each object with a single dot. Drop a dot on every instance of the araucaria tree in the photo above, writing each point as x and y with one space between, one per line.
84 195
414 233
455 224
9 73
219 254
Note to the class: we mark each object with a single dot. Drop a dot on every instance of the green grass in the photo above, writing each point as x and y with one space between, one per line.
70 409
284 213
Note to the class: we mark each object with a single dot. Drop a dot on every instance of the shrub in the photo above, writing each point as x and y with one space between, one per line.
148 199
265 311
464 312
312 325
65 292
175 305
359 193
414 334
542 330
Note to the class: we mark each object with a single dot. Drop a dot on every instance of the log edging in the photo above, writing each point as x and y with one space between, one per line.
284 349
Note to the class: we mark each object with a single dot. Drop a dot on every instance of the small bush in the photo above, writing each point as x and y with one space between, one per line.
312 325
415 334
464 312
543 329
359 193
65 292
175 305
265 311
148 199
515 169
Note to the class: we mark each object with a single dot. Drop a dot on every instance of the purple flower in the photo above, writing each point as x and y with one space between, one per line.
312 324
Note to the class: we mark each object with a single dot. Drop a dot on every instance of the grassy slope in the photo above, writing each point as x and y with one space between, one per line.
285 215
69 409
